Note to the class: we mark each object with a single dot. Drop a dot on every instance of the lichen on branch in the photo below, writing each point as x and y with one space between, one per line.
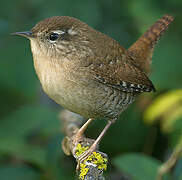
96 163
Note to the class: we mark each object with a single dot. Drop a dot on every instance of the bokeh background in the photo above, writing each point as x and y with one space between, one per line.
146 134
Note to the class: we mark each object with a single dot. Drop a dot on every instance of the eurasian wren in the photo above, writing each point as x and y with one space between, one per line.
88 72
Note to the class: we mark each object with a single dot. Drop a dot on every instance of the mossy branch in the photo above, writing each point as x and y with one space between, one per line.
92 168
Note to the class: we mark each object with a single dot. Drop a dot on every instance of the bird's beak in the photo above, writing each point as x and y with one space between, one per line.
27 34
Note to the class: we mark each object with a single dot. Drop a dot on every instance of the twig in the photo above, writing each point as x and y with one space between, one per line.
92 168
168 165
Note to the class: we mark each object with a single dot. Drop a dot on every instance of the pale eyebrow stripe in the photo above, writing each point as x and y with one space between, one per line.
72 32
58 32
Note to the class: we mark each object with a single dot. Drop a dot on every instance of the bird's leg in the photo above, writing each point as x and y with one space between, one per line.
80 132
93 147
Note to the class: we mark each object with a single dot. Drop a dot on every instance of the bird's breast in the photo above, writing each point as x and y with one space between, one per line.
77 93
66 86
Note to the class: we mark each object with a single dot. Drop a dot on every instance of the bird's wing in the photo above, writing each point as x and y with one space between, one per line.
119 72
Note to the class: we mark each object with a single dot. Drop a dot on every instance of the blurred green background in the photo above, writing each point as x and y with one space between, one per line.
145 135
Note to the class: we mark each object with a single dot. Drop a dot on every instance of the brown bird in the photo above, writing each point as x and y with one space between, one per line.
88 72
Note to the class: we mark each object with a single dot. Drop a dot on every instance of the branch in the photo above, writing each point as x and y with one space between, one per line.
168 165
92 168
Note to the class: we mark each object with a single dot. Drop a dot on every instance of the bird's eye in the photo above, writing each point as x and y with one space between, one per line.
54 36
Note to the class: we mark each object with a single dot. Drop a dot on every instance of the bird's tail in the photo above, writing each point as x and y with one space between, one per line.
142 49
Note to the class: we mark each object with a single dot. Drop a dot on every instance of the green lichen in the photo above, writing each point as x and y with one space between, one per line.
80 149
95 158
83 171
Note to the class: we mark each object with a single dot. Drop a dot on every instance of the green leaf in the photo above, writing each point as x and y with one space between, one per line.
138 166
18 172
35 155
28 118
22 150
166 107
26 121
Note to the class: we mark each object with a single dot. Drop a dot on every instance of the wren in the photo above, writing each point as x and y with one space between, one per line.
89 73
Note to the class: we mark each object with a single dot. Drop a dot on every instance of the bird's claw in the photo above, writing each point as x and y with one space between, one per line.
83 157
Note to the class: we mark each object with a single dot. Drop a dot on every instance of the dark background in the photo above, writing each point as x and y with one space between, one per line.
30 137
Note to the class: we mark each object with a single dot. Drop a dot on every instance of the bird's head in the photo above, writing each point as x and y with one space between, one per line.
59 36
